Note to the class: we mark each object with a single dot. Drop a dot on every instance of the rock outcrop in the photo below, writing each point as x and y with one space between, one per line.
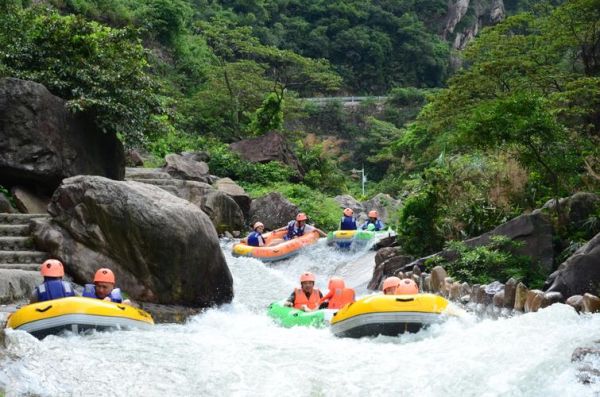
42 142
187 169
580 273
161 248
273 210
268 147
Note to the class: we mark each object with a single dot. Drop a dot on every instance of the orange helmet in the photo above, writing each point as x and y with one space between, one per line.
390 282
257 224
301 217
373 214
336 283
307 276
348 212
104 275
52 268
407 287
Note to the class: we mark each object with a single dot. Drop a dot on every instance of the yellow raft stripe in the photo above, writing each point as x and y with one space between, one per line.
76 305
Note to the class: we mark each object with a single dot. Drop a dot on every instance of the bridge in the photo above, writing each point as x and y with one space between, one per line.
345 100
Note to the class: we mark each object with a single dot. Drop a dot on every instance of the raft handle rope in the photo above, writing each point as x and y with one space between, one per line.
121 307
405 299
44 309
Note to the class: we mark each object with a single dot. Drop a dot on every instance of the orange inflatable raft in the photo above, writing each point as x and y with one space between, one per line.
276 252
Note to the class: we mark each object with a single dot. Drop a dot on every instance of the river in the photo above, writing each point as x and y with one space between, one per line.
236 350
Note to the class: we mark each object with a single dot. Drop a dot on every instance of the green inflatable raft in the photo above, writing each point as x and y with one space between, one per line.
290 317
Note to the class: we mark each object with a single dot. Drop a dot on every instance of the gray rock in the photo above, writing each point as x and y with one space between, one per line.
438 275
169 313
498 299
182 168
385 205
133 158
590 303
347 201
534 301
17 284
161 248
29 202
551 298
266 148
580 206
580 273
236 192
510 290
223 211
197 156
42 142
389 267
575 301
273 210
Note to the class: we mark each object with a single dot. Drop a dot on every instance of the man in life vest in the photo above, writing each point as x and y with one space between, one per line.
297 228
104 287
390 285
306 298
373 220
53 287
338 295
407 287
256 239
348 222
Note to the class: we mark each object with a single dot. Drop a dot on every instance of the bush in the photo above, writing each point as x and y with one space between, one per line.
495 261
322 210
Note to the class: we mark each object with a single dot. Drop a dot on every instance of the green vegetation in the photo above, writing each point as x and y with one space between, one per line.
485 264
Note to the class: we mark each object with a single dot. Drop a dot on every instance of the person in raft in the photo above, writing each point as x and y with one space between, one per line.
256 239
373 220
407 287
53 287
338 295
307 298
390 285
297 228
348 222
104 288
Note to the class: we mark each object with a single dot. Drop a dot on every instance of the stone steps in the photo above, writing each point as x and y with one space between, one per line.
11 257
14 230
35 267
20 243
19 219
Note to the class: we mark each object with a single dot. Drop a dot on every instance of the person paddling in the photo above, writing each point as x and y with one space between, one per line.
53 287
348 222
307 297
298 227
104 288
373 220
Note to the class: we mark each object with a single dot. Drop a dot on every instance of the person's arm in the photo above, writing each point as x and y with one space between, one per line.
261 240
33 298
289 302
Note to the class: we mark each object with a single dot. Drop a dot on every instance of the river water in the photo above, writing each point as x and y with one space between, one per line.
236 350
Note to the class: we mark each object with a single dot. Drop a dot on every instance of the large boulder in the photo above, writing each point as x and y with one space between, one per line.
41 142
236 192
223 211
187 169
268 147
580 273
161 248
273 210
384 204
17 285
28 202
533 230
347 201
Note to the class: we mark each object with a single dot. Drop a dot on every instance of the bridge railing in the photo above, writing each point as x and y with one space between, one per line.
345 99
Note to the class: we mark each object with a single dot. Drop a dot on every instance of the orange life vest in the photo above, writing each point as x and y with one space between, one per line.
300 299
339 297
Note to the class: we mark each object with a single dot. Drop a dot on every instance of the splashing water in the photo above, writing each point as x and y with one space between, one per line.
237 350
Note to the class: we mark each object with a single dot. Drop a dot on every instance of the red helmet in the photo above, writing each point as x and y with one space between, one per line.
407 287
104 275
301 217
348 212
390 282
52 268
336 283
373 214
307 276
257 224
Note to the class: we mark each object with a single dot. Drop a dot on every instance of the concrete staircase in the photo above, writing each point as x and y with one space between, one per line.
19 260
154 176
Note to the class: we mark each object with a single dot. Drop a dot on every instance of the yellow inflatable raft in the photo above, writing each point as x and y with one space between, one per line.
389 315
77 314
282 250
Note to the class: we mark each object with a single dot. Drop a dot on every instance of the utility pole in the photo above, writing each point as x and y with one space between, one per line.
363 177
